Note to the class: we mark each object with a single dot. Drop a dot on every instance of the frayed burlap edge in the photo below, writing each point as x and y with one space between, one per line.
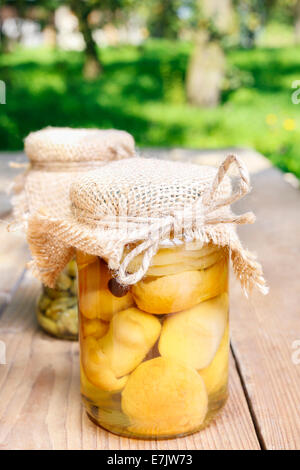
53 240
53 244
59 162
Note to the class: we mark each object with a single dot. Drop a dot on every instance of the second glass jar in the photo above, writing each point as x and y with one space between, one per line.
57 312
154 358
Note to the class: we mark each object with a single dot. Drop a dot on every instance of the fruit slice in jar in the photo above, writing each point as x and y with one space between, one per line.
215 376
163 398
95 327
131 335
97 367
83 259
193 336
95 299
185 265
110 305
176 255
97 396
169 294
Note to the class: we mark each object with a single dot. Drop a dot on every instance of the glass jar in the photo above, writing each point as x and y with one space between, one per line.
57 157
57 311
154 357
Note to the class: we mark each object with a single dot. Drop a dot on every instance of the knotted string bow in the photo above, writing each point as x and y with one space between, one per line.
207 210
119 238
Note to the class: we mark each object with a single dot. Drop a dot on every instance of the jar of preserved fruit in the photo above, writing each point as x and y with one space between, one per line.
154 358
153 241
57 156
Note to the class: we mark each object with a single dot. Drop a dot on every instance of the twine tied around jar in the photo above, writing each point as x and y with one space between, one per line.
200 214
131 207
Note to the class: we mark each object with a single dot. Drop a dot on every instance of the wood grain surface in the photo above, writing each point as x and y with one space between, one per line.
265 329
39 394
39 384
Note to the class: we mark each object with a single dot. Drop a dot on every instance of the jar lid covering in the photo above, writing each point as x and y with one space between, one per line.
65 144
58 155
130 208
143 187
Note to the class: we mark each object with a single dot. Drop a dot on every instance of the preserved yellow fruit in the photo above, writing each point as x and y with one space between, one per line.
152 284
215 375
181 291
83 259
131 335
97 367
193 336
150 375
186 265
175 260
93 393
110 305
95 327
176 255
163 398
95 299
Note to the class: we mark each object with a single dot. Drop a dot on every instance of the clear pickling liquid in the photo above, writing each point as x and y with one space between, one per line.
154 358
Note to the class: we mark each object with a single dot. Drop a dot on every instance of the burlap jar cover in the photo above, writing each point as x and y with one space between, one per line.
132 207
57 155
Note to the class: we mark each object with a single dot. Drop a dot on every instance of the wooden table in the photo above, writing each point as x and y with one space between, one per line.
39 384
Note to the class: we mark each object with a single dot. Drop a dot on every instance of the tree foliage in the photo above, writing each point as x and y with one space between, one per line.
163 18
252 16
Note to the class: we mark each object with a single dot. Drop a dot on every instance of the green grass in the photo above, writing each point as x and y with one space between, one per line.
142 91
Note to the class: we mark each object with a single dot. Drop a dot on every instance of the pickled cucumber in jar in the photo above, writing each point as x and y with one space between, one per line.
57 311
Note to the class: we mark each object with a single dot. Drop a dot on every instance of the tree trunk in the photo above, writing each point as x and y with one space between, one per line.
221 12
3 39
163 24
50 33
205 72
50 37
297 22
92 66
207 65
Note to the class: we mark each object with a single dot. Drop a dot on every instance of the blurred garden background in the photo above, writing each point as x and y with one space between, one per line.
184 73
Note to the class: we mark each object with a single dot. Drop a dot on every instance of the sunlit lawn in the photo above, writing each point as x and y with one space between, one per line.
142 91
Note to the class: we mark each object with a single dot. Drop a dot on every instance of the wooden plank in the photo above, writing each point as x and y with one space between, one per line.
14 255
232 430
39 394
265 329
